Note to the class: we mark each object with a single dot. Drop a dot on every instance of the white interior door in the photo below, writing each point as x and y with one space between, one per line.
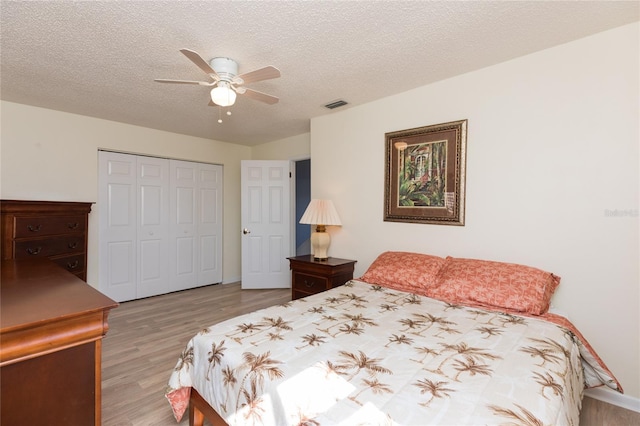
153 226
266 224
117 223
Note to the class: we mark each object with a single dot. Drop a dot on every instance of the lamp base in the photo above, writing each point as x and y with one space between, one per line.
320 241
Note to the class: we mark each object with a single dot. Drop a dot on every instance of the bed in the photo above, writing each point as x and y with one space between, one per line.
417 340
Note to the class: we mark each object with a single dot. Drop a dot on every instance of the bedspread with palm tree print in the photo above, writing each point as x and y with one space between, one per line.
365 354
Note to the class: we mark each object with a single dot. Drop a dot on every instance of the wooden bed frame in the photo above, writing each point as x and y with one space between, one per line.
199 409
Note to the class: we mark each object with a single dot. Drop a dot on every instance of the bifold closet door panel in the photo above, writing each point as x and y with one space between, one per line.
196 224
184 263
153 226
210 224
117 264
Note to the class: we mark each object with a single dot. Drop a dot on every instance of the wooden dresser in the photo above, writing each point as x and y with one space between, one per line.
53 229
51 329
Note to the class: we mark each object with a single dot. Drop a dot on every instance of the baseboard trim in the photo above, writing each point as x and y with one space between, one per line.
614 398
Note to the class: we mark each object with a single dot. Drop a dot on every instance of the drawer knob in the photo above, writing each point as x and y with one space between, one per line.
73 225
34 228
309 284
73 265
34 251
73 245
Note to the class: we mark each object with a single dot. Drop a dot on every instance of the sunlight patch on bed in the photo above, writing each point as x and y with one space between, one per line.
327 386
367 415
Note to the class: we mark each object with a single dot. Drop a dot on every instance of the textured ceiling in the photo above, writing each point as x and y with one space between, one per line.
100 58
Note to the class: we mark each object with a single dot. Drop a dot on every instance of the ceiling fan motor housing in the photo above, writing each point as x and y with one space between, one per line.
226 68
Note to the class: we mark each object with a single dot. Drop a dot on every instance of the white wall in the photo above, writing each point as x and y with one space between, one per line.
52 155
292 148
553 143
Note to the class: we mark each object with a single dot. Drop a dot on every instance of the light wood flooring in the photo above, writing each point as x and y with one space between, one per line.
146 337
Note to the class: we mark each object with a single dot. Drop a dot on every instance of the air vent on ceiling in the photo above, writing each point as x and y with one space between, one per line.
335 104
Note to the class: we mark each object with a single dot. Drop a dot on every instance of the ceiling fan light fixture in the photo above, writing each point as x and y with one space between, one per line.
225 81
223 94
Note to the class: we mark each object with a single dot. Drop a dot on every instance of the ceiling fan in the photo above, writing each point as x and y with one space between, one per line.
225 80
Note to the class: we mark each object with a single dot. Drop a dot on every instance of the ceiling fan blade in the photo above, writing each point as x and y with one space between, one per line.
201 63
259 96
164 80
265 73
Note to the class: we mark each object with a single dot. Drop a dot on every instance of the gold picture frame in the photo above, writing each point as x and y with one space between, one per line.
425 174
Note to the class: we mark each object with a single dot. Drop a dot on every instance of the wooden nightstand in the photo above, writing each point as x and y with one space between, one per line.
310 276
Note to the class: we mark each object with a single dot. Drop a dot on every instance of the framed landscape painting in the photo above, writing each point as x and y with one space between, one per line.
425 174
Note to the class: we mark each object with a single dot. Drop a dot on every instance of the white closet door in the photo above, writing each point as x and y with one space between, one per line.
153 226
160 225
195 231
117 222
184 262
209 189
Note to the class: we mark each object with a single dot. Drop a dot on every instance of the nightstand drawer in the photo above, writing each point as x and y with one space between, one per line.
309 284
310 276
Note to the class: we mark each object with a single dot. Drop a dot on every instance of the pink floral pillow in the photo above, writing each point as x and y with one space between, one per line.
412 272
495 284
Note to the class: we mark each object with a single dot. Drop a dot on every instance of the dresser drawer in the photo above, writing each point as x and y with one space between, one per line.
36 226
74 264
309 284
36 230
45 247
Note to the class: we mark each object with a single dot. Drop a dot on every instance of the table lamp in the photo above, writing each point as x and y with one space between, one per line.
320 213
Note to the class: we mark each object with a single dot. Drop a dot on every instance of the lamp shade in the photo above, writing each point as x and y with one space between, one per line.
223 94
320 212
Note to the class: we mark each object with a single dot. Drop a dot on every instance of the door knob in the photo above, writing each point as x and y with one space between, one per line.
245 231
